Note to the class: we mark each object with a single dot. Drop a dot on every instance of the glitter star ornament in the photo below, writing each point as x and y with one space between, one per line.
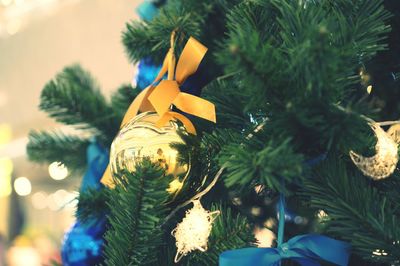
384 162
193 232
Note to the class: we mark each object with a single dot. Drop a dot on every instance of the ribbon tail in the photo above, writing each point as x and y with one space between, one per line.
190 59
196 106
164 69
141 103
319 247
107 179
97 159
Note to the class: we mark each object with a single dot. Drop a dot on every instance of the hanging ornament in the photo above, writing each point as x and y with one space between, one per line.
146 72
157 131
384 162
147 10
141 138
83 244
193 232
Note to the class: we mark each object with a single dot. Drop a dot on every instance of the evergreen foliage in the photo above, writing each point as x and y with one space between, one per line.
73 98
137 205
284 72
48 147
365 217
92 203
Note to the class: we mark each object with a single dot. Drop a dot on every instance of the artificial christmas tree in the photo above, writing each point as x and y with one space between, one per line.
291 103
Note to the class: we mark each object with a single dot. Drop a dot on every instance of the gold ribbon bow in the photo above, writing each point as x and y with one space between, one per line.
161 97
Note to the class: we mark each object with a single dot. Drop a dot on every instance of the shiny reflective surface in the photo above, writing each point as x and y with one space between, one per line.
140 139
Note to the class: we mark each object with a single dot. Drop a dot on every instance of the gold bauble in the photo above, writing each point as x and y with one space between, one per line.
140 138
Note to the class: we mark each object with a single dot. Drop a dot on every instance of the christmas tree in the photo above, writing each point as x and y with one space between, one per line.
301 89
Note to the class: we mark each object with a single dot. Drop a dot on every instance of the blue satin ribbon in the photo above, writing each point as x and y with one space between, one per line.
97 161
307 250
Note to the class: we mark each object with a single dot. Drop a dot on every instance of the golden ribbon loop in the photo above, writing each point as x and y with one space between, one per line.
160 97
167 92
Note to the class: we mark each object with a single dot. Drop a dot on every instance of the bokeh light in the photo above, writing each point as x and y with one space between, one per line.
22 186
39 200
58 171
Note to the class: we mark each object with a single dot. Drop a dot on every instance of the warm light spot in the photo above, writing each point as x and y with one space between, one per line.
58 171
5 134
236 201
256 211
61 199
6 2
271 222
19 2
379 252
369 89
3 98
6 168
51 203
39 200
264 237
13 26
322 214
22 186
174 186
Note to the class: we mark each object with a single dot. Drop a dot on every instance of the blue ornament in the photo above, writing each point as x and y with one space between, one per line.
83 244
147 72
147 10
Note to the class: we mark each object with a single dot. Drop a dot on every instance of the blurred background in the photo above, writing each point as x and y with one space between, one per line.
37 39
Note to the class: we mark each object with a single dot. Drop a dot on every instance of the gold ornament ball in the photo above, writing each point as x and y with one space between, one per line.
140 138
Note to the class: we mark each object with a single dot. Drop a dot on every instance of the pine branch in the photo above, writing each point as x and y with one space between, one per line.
137 205
259 163
189 18
142 40
92 203
73 98
230 104
121 100
48 147
357 211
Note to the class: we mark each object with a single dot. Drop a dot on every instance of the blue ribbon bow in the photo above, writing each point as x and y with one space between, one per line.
304 249
97 161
